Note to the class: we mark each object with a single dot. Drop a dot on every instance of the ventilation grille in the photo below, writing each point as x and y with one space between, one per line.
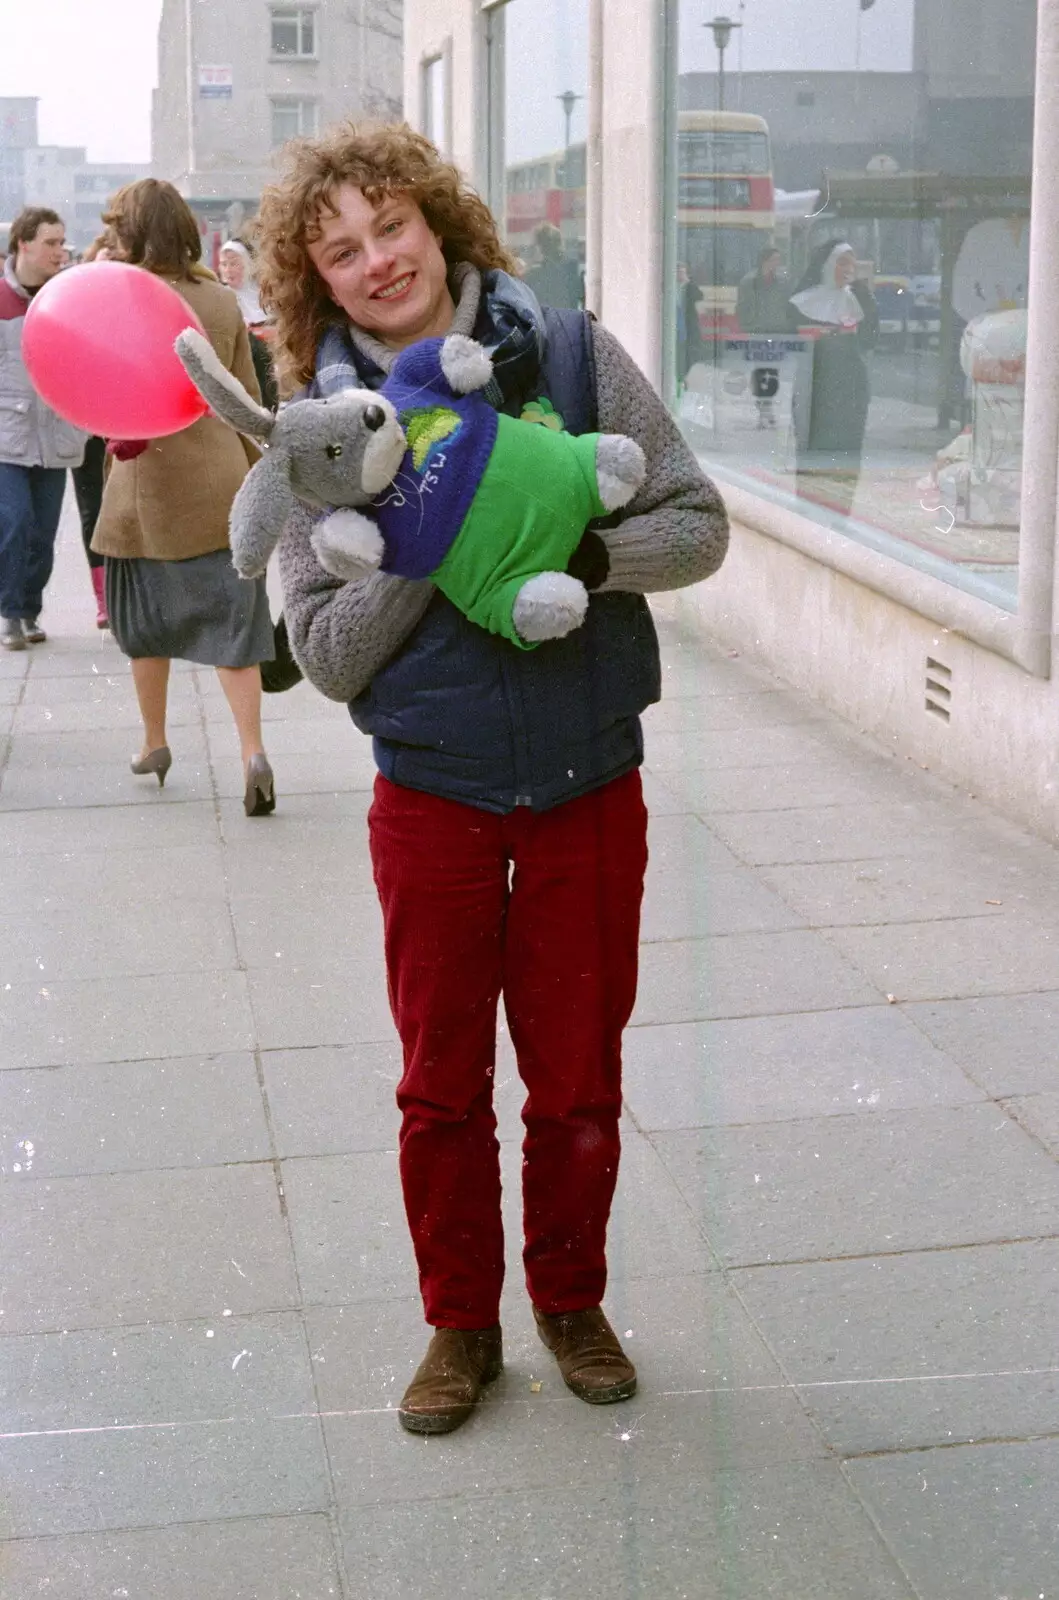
939 689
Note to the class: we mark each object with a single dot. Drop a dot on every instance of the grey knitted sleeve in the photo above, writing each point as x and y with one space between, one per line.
675 531
342 633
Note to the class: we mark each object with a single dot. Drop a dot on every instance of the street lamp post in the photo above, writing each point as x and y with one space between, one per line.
721 28
568 99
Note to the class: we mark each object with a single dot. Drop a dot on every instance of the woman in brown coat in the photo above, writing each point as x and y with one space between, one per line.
172 592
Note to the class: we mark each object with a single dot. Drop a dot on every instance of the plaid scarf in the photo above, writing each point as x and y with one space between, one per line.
508 322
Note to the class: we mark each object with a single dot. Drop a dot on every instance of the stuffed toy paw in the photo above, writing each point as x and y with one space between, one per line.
428 481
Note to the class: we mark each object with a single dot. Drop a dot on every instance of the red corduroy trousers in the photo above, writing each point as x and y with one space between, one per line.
543 908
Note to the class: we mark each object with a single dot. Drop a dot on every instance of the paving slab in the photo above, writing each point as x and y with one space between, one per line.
348 1225
978 1522
340 1002
859 832
257 1558
113 881
343 931
124 1019
931 1348
791 1532
692 716
143 1246
1039 1115
113 828
687 905
751 974
847 893
118 1428
139 938
771 1069
1007 1043
667 753
103 784
860 1185
133 1116
958 958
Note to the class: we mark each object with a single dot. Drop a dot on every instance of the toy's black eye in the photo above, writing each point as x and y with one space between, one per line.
374 418
334 451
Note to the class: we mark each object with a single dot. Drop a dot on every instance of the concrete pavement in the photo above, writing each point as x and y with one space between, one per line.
835 1250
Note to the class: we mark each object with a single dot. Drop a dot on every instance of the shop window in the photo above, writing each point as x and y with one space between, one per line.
537 94
848 298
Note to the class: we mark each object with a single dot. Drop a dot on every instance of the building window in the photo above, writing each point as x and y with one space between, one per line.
537 70
294 31
847 292
293 119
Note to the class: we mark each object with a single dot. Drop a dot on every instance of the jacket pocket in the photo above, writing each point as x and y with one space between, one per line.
68 442
14 427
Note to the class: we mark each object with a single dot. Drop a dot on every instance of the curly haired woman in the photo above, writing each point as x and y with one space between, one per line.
508 829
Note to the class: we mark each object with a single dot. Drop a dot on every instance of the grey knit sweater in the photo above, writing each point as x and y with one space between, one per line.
675 533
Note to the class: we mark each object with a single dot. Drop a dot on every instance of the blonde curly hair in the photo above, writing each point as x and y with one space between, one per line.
380 159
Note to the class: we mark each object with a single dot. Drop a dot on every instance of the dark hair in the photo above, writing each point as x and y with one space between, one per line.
769 251
28 224
154 227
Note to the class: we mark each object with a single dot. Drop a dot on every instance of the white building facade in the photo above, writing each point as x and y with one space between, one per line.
892 473
57 176
238 78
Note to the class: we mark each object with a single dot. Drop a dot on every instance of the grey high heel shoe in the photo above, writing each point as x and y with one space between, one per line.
260 797
157 761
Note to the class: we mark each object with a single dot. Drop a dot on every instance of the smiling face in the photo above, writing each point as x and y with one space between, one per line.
384 267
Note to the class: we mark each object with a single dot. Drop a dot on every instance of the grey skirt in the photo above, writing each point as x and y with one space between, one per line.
198 610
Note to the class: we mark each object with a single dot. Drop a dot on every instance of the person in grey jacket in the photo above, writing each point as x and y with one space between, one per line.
36 445
508 829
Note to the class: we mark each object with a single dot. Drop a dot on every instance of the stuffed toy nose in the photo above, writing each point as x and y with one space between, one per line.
374 418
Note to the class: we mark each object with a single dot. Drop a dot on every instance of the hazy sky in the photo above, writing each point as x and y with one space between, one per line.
93 62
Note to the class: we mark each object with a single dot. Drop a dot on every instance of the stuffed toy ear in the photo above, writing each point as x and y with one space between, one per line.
259 513
466 364
225 394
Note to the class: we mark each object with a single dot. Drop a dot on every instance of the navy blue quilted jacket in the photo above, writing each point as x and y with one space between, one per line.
463 714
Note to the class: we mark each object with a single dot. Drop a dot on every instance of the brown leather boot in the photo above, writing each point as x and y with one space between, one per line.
591 1360
450 1378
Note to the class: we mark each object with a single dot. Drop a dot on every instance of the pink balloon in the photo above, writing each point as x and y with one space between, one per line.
98 346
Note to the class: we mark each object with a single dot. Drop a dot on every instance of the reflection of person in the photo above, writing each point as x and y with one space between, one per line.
236 267
832 394
36 445
508 825
691 347
763 307
763 303
172 591
557 281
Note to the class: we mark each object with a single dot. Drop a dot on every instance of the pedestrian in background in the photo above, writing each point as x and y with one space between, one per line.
36 446
172 591
236 266
508 829
89 476
763 307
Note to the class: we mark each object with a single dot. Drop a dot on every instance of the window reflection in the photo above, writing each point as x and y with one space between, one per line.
850 258
543 45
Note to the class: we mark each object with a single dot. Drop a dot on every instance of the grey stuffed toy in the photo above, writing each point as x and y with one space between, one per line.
488 507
